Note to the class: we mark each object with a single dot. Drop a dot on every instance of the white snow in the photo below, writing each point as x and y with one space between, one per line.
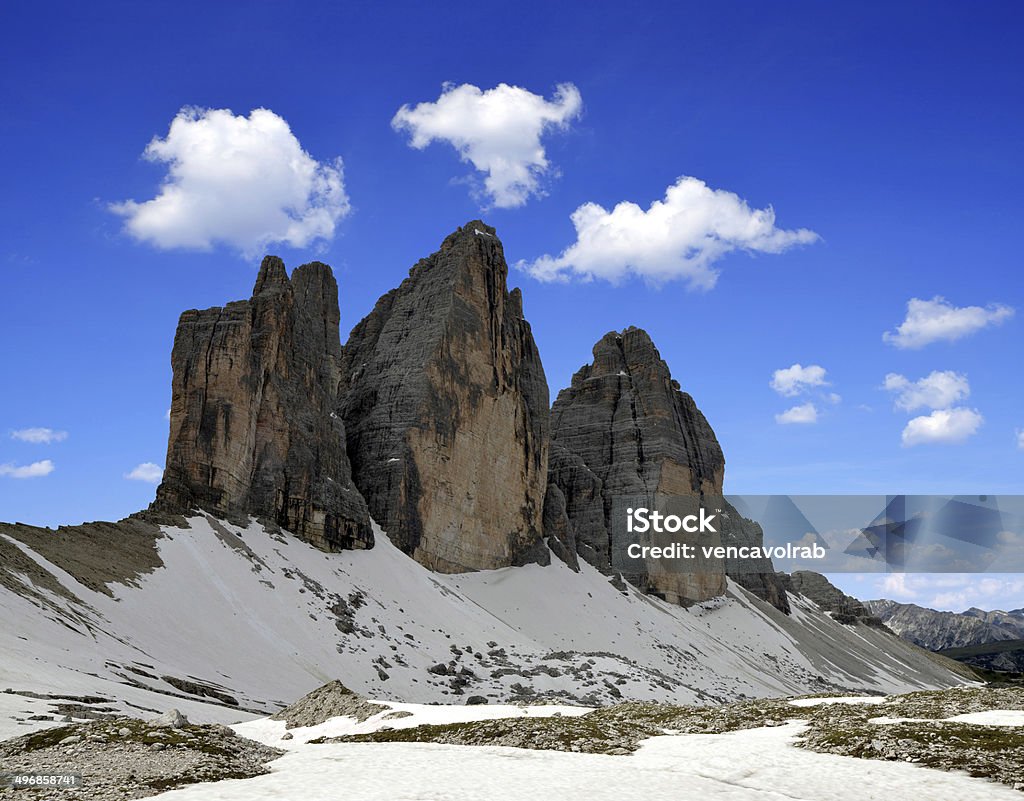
994 717
270 731
15 711
851 700
753 765
256 616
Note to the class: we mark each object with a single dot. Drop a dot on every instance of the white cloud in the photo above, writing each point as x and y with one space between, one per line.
1020 438
498 131
147 471
933 320
942 426
835 397
795 379
680 237
34 470
937 390
805 413
952 591
39 436
894 586
242 181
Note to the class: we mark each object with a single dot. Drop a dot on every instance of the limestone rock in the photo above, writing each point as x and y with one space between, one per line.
574 516
624 428
171 719
328 701
253 425
445 407
844 608
756 575
937 630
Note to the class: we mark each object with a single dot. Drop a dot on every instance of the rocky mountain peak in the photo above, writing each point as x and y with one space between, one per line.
625 429
445 406
272 275
253 427
937 630
625 416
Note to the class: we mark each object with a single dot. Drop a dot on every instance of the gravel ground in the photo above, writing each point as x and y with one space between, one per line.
992 752
126 758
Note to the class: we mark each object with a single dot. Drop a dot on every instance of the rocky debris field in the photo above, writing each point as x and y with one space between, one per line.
921 736
126 758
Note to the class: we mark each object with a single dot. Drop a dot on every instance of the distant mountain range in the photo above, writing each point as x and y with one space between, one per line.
938 631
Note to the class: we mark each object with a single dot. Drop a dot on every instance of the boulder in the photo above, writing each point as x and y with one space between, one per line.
171 719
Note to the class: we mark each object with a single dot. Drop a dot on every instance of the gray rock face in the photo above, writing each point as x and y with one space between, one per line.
756 575
624 428
1011 622
575 506
936 630
1006 656
844 608
253 426
629 423
445 407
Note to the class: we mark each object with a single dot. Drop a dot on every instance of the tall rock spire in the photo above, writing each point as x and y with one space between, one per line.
253 426
445 407
624 429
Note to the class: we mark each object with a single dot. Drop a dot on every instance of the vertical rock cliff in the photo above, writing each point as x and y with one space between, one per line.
624 429
445 407
253 423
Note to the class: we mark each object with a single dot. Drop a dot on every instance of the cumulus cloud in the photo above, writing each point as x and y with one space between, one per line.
678 238
241 181
147 471
933 320
804 413
952 591
34 470
942 426
937 390
894 586
795 379
39 436
498 131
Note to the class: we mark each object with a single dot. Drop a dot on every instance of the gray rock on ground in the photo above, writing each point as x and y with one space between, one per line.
127 758
328 701
171 719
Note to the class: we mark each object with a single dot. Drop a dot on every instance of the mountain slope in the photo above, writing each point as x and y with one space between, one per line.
936 630
228 619
1006 656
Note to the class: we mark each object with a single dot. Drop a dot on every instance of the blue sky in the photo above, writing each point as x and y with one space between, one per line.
892 132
